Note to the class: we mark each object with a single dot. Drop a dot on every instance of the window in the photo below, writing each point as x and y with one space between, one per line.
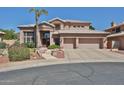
74 26
46 35
57 26
118 30
28 37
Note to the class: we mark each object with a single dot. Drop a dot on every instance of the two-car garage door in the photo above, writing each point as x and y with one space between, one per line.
83 43
89 43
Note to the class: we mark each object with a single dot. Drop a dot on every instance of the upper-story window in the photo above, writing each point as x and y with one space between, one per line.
57 26
118 30
113 31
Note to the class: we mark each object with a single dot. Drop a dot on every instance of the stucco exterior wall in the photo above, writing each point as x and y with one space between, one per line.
119 39
121 42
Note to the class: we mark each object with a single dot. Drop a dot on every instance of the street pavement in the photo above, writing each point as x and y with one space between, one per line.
67 74
79 67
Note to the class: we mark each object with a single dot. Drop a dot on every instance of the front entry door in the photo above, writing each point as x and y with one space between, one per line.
46 39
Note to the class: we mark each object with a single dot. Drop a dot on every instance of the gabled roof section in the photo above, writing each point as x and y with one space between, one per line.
29 25
46 23
68 20
33 25
57 18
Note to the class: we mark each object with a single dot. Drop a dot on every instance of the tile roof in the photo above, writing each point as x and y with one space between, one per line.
32 25
2 32
116 34
114 26
68 20
83 31
29 25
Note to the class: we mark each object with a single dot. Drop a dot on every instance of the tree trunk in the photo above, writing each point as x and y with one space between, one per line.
38 39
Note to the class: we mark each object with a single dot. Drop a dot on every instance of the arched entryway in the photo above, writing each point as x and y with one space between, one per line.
45 38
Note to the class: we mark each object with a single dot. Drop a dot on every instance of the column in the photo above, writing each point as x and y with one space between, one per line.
77 42
51 39
62 42
21 36
101 43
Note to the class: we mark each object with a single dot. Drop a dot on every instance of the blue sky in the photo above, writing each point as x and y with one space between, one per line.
101 18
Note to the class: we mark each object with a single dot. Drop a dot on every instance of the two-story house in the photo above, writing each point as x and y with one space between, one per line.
66 33
116 37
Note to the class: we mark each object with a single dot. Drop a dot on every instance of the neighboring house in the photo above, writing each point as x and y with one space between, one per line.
1 35
116 38
66 33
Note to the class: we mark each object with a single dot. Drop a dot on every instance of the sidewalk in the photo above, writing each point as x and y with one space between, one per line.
28 64
42 62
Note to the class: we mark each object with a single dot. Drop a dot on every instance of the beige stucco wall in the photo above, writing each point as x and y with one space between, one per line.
119 39
121 42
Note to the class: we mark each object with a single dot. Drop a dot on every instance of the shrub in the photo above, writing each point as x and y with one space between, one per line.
30 45
2 45
18 53
53 46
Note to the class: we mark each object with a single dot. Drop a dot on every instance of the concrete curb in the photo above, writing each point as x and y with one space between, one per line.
40 63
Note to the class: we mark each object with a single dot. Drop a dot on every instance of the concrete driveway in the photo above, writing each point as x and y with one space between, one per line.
93 55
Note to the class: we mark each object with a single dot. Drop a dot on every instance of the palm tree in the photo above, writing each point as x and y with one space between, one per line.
38 13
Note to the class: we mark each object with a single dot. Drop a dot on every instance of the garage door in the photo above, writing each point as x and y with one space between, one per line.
88 43
69 43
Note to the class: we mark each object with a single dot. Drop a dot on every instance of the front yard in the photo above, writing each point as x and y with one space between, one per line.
27 51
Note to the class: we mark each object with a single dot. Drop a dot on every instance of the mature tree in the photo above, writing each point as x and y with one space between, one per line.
38 13
9 34
92 28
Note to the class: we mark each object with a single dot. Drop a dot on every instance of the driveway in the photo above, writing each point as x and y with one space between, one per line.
92 55
67 74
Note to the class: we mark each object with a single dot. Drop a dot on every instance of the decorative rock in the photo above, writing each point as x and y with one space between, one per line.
58 53
4 59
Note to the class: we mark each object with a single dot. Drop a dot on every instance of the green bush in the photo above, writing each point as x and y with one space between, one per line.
18 53
2 45
53 46
30 45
